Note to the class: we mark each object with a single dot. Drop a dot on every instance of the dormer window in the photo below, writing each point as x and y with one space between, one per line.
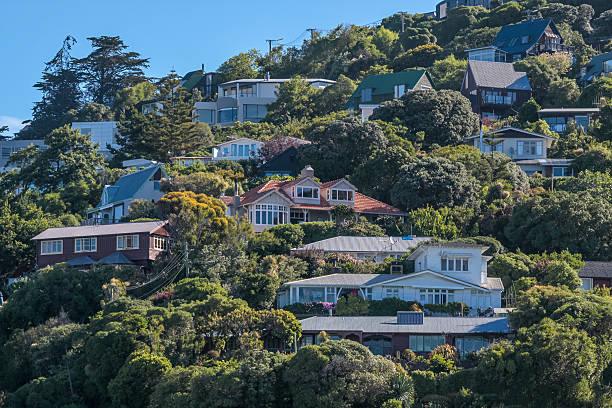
342 195
454 264
307 192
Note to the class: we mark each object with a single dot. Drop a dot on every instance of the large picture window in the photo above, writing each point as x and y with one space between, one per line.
85 244
311 295
436 296
127 242
421 344
51 247
268 214
529 148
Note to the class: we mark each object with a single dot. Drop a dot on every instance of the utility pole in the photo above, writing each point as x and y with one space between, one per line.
403 24
312 32
270 43
186 258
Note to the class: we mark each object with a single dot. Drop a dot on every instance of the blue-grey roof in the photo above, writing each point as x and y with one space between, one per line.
595 67
128 185
365 244
498 75
116 258
81 260
388 324
509 38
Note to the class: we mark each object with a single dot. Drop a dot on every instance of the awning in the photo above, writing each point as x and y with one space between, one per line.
116 258
81 260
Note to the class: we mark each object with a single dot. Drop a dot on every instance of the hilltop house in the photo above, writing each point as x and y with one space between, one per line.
102 133
301 200
116 199
527 149
385 335
364 248
443 7
375 89
245 100
8 147
241 148
495 89
133 243
445 272
517 41
559 118
600 65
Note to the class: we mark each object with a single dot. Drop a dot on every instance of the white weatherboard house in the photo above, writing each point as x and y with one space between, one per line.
444 272
237 149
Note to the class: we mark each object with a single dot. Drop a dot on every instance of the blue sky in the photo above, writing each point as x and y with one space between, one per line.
177 35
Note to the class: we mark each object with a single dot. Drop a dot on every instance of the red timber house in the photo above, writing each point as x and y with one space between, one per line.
302 200
133 243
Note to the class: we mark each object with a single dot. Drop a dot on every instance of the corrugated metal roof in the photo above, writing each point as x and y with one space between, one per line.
365 244
98 230
388 324
498 75
128 185
347 279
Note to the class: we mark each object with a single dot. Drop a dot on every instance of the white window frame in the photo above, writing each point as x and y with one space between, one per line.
280 214
299 192
436 296
350 194
93 244
160 243
392 291
46 244
447 261
124 239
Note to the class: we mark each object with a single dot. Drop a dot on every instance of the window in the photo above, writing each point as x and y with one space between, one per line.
241 150
422 344
397 268
225 152
368 293
255 112
607 69
206 116
157 185
366 95
160 243
51 247
378 345
228 115
127 242
529 148
85 245
582 121
498 97
556 123
6 152
267 214
562 172
525 39
436 296
467 345
330 295
307 192
248 90
85 131
342 195
400 90
311 295
454 264
392 292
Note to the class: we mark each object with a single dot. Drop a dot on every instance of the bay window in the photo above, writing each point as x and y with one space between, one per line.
160 243
268 214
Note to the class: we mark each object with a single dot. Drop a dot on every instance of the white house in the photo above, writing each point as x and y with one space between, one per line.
237 149
444 272
116 199
102 133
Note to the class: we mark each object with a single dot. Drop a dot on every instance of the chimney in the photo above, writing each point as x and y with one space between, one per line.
203 71
236 202
414 318
307 171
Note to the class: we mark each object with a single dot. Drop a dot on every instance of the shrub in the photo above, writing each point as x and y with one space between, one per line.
438 364
353 306
390 306
447 351
451 308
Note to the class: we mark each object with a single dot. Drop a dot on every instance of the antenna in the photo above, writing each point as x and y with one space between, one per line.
270 43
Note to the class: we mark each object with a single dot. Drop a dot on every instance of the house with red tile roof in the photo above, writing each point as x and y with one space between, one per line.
302 200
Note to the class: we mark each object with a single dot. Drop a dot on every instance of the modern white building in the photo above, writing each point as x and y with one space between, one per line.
237 149
102 133
8 147
244 100
444 272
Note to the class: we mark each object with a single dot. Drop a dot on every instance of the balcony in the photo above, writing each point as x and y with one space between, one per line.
551 48
497 100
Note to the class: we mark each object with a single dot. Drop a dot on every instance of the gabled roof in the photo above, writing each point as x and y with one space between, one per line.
595 67
384 84
287 161
388 324
495 282
128 185
593 269
509 38
365 244
498 75
443 245
151 227
501 132
368 205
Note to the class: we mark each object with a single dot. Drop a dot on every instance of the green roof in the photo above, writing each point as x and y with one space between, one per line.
384 84
191 79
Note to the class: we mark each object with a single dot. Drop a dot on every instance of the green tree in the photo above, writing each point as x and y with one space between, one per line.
415 37
563 92
110 68
341 146
448 73
211 184
334 97
241 66
296 101
430 222
436 182
90 112
421 56
445 117
132 96
529 111
541 75
384 40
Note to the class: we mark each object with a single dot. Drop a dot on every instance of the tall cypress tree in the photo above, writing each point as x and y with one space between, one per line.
60 87
110 68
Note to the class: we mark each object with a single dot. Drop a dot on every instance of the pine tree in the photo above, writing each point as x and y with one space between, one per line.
110 68
60 87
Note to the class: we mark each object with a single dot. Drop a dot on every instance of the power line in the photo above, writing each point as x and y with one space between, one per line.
270 43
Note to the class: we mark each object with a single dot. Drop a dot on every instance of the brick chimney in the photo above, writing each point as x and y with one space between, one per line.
307 171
